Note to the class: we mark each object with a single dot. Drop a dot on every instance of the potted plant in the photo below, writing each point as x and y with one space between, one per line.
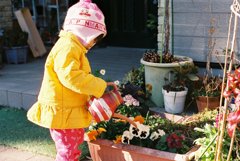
15 45
175 91
158 64
208 92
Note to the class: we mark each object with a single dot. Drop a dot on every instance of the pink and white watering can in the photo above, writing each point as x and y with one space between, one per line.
102 109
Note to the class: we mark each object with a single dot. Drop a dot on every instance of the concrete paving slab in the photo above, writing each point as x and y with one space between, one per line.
12 154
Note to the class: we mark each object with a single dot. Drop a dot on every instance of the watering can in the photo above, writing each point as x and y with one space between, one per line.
103 108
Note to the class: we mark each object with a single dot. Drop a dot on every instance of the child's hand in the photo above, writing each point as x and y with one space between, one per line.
112 84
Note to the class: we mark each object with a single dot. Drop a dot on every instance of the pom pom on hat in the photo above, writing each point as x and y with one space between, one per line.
85 20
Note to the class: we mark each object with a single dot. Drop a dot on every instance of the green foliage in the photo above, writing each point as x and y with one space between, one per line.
152 22
15 37
182 77
208 143
208 86
135 77
128 111
18 132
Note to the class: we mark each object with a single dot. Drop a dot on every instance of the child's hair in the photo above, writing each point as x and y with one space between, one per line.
99 38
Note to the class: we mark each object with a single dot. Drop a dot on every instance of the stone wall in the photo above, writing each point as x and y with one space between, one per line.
192 24
5 14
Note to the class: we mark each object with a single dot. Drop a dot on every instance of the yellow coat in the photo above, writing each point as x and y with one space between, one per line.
66 87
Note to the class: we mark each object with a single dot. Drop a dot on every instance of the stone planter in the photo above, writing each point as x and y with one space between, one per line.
155 73
174 102
210 103
106 150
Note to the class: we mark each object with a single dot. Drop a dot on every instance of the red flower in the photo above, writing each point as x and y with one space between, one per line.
175 141
234 117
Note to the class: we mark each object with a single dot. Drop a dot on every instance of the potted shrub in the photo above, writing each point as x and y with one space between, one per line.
158 64
175 91
208 92
15 45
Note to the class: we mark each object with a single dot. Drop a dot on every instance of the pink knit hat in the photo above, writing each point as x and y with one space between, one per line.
85 20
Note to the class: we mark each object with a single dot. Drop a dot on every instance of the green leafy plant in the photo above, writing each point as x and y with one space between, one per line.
206 152
183 77
208 86
14 37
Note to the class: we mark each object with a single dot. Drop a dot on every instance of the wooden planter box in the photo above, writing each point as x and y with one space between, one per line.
106 150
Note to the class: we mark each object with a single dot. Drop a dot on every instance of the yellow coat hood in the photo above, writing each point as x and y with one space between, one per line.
66 87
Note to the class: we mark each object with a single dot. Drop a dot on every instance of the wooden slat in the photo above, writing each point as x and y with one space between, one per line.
34 40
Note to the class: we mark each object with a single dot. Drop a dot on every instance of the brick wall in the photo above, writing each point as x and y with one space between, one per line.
192 23
5 13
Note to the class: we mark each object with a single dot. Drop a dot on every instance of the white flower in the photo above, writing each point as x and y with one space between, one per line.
133 130
117 82
129 100
126 137
131 118
135 103
128 104
161 132
86 138
127 97
102 72
154 136
144 131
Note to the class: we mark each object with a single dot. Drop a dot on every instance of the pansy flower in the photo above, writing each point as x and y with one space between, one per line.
118 139
135 130
154 136
139 119
141 131
91 135
126 137
144 131
101 130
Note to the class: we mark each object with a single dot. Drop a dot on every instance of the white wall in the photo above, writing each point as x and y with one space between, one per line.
192 23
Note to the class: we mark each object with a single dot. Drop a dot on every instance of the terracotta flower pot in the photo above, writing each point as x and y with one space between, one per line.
204 102
106 150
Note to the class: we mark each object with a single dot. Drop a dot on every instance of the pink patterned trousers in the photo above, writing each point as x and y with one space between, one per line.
67 142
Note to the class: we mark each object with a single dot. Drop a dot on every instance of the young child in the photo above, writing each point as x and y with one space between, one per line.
68 83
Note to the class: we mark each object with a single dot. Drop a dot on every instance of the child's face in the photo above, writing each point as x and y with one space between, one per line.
94 41
90 44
